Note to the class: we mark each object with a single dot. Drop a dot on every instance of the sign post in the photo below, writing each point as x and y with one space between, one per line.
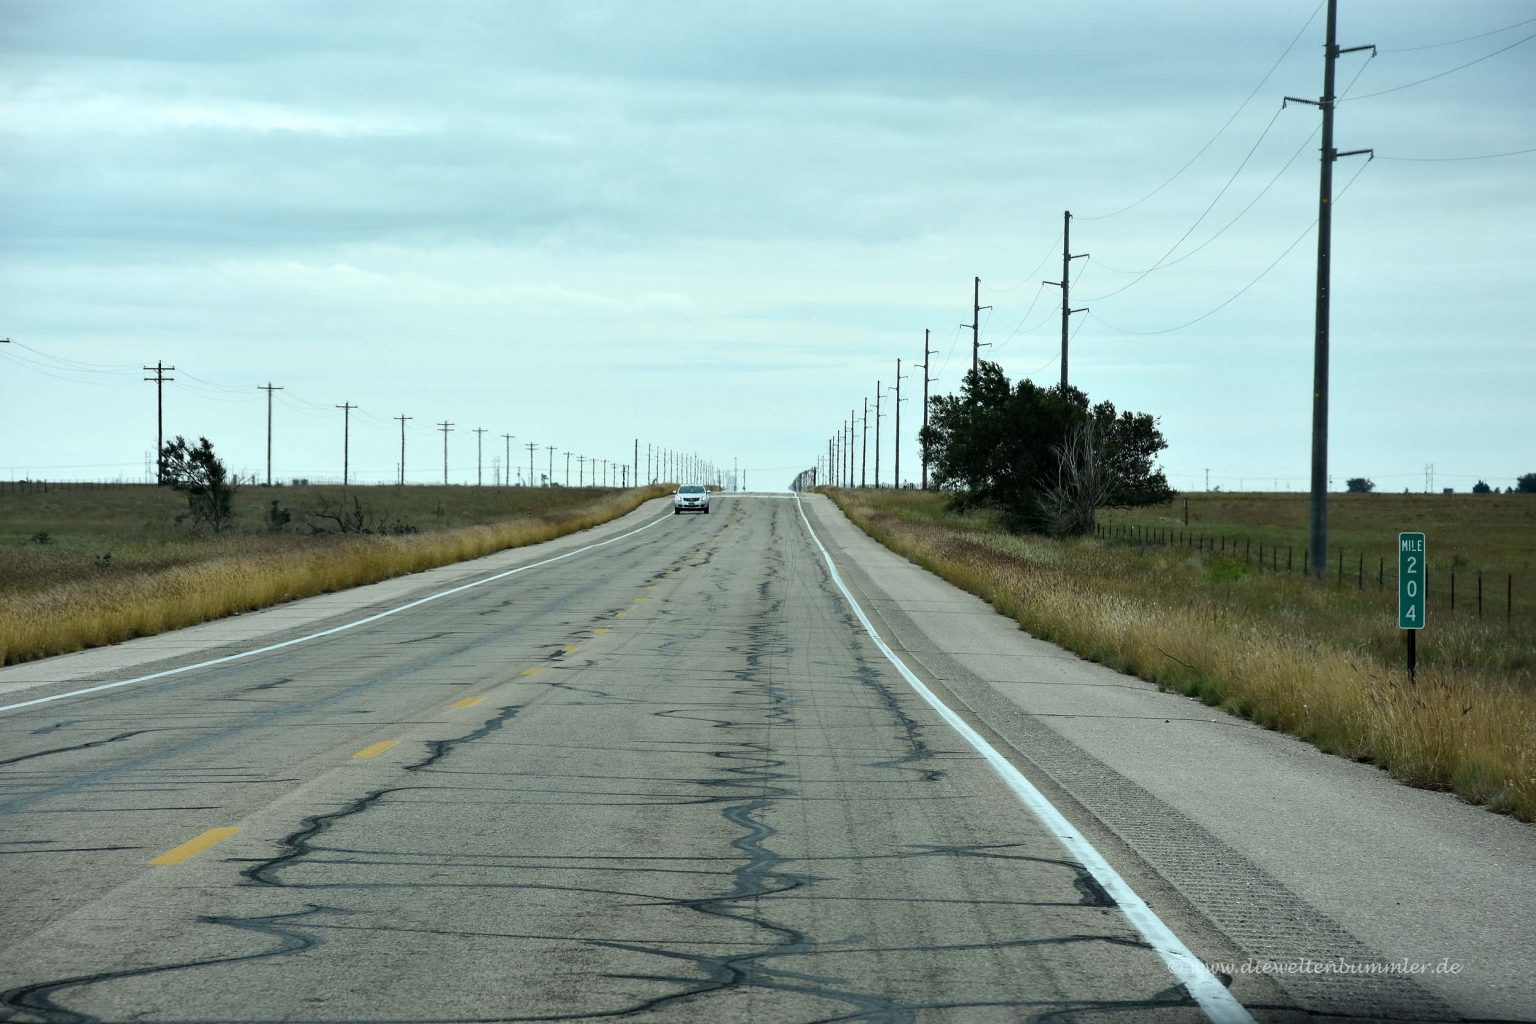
1410 592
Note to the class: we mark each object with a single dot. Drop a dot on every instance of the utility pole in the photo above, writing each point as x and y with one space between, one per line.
1065 284
479 456
605 472
927 359
532 447
445 427
159 378
1318 541
877 392
567 468
899 400
346 439
864 455
853 423
637 461
402 418
268 388
552 450
507 462
649 476
581 471
975 326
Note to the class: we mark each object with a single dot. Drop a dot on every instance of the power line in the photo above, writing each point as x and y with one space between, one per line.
1450 71
1463 39
1450 159
1225 125
1242 291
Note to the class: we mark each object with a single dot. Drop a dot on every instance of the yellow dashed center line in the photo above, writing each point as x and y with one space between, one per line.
192 847
639 599
532 671
570 650
375 750
468 702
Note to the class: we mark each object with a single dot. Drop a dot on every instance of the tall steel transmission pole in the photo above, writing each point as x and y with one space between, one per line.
1318 540
402 419
1065 284
159 378
975 326
864 454
927 359
445 427
878 393
346 439
899 378
268 388
479 456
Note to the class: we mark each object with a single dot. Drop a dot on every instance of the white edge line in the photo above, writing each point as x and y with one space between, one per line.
1203 986
326 632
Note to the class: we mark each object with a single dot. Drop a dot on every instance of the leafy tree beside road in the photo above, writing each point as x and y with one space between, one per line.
202 475
1042 456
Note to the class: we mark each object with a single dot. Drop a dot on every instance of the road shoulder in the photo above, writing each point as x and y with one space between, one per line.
1287 853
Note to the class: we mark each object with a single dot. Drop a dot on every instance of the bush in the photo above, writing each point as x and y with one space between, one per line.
202 475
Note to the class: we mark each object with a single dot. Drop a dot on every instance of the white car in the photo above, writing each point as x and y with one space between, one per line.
690 498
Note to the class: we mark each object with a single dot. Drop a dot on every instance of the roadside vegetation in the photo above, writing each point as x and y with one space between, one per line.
83 567
1316 660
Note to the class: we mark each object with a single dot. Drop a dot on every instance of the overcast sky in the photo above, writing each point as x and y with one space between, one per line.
714 226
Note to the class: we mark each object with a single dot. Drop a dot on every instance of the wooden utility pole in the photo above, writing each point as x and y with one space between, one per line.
567 468
479 456
864 454
159 378
877 435
975 326
268 388
899 378
445 427
532 447
551 478
402 420
927 359
507 462
1065 284
581 471
637 460
346 440
1317 551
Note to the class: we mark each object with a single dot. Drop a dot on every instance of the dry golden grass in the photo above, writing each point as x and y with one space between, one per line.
1324 664
207 578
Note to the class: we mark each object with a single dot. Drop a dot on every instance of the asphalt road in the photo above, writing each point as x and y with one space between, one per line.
671 778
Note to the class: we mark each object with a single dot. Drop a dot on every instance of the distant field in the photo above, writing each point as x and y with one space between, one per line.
1320 660
82 566
1465 533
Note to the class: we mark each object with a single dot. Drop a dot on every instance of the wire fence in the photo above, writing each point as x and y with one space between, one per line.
1488 594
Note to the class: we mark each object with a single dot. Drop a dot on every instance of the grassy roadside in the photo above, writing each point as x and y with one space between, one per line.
1320 663
58 596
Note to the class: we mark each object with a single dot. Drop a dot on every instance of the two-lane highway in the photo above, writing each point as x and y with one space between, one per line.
670 778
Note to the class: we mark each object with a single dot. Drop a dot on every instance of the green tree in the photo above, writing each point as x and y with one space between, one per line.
1360 485
1526 484
1042 456
1481 487
203 477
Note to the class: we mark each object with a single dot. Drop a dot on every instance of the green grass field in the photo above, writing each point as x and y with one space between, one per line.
90 565
1317 659
1465 534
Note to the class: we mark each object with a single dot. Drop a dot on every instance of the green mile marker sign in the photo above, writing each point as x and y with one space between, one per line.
1410 581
